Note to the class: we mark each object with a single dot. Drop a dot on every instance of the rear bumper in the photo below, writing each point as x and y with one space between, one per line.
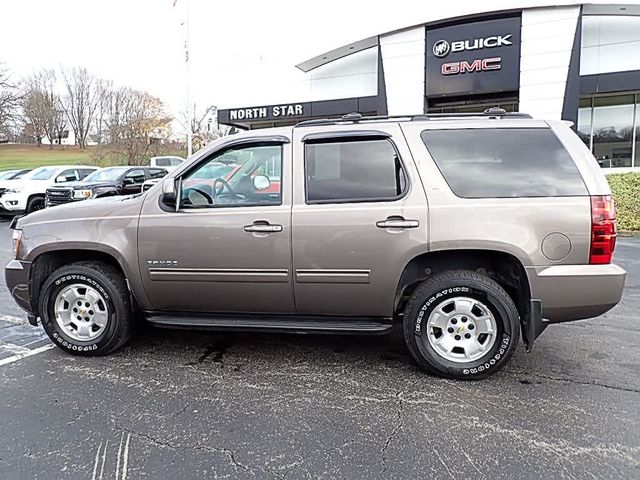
17 278
575 292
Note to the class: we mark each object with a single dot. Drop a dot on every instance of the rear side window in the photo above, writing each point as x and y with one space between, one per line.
353 171
492 162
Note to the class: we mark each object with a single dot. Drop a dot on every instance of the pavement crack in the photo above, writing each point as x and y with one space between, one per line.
395 430
575 382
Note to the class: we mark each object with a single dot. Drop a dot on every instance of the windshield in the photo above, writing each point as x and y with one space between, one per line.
7 175
106 174
42 173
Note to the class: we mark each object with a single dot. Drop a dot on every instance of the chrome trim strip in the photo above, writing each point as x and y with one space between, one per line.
322 275
219 275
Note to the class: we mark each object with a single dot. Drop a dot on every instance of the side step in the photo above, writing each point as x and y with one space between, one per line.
272 322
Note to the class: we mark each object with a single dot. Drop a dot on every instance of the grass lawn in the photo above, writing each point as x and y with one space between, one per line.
32 156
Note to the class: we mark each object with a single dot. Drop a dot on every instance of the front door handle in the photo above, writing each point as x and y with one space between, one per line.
397 222
262 227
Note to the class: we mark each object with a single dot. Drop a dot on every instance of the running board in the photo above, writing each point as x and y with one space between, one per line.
271 323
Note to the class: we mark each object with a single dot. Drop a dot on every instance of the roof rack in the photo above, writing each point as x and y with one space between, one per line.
356 117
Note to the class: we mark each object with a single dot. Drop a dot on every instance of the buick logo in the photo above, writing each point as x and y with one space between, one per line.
441 48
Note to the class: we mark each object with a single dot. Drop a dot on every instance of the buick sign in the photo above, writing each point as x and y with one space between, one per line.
473 58
441 48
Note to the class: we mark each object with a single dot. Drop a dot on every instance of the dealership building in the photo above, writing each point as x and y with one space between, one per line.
578 62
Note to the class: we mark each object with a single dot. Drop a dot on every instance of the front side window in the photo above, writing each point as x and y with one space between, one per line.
157 173
134 177
353 171
68 176
238 176
503 163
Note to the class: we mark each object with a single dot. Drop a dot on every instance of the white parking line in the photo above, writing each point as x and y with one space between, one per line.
25 354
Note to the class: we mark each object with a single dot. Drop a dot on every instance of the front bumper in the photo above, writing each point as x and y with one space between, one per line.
9 203
575 292
16 274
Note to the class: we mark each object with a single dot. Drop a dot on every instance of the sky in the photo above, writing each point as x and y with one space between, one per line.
242 52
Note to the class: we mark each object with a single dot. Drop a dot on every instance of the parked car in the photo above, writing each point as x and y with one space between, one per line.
27 194
105 182
466 231
169 163
7 176
13 174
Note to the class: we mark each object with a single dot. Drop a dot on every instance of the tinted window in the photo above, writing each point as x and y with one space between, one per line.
491 162
163 162
230 178
175 162
135 176
157 173
352 171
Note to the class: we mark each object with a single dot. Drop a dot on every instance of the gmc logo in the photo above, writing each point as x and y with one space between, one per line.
479 65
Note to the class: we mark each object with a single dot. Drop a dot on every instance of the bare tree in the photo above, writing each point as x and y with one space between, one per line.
204 127
80 101
41 106
10 97
136 122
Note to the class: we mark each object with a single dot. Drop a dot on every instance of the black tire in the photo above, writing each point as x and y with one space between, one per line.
461 283
110 283
34 204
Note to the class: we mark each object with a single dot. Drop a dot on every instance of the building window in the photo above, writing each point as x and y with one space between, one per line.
609 126
610 43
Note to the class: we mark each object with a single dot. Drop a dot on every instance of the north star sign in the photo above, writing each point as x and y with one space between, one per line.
266 113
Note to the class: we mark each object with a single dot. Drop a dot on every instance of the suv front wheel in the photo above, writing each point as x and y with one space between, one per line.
85 308
461 324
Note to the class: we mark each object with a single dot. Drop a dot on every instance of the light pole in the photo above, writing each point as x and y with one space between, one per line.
188 80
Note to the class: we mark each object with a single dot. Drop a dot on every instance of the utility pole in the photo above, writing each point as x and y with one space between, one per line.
189 110
188 80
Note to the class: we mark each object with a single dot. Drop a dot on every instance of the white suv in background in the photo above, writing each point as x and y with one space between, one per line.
168 162
27 194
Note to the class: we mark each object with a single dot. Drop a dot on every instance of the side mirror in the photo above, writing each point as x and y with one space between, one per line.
169 191
261 182
61 179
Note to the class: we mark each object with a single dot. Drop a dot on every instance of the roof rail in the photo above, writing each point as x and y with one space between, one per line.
355 117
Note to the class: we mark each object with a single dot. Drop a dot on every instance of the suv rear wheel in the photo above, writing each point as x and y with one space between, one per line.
460 324
85 308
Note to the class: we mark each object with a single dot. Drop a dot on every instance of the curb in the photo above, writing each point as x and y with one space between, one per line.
629 233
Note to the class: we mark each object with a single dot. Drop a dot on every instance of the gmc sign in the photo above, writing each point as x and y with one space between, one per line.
473 58
479 65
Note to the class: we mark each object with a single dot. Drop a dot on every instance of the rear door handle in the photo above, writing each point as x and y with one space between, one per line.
262 227
397 222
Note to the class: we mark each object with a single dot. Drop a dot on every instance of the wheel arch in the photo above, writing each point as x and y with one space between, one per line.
501 266
45 262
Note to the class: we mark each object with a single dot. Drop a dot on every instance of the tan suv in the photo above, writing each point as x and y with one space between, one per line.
465 230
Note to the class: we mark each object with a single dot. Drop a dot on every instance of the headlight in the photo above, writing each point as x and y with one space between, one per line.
17 240
14 190
82 193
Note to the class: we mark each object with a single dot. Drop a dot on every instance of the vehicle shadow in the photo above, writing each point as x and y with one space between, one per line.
254 346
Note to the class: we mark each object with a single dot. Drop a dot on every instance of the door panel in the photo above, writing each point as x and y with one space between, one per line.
348 257
232 258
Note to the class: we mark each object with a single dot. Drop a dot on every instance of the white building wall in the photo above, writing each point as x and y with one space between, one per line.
403 58
547 41
355 75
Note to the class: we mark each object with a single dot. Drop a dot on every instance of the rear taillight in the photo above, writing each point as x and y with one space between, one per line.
603 229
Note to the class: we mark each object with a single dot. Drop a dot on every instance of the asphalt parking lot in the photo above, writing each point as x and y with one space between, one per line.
189 405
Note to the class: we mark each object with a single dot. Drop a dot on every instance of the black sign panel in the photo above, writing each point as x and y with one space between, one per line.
283 111
473 58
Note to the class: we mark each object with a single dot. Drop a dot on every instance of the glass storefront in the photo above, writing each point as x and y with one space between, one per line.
610 126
